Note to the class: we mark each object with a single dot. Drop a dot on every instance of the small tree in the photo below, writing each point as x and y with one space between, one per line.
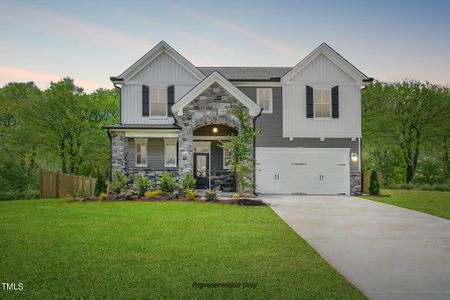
374 187
241 151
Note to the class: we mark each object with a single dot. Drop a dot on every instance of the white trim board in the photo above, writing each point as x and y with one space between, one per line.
148 133
216 77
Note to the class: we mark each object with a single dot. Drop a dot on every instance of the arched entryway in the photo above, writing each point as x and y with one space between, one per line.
210 166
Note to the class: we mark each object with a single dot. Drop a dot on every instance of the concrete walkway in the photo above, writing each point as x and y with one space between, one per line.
386 251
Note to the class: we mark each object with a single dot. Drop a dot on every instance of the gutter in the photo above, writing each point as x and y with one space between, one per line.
254 152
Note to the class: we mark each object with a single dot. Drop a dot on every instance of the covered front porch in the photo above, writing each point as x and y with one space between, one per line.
210 161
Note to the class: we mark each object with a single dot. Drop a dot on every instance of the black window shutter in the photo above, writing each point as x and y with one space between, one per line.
335 102
309 102
170 98
145 101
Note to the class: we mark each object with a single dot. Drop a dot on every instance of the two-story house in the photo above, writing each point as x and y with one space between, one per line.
174 114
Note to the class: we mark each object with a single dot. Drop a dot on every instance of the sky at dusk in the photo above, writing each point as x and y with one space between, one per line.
90 41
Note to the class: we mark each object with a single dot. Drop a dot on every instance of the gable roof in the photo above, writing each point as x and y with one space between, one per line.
215 77
248 73
334 57
154 53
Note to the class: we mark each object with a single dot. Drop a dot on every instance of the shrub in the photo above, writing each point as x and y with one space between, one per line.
211 195
190 194
188 182
102 197
374 187
152 195
166 183
236 196
19 195
100 184
119 181
142 184
420 187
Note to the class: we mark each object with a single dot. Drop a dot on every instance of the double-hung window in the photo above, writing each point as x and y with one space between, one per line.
322 102
158 102
141 152
170 152
264 99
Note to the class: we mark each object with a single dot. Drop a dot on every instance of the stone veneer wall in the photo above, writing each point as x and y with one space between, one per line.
119 149
213 106
355 183
223 180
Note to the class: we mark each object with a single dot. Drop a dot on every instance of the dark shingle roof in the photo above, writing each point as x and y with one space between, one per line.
247 73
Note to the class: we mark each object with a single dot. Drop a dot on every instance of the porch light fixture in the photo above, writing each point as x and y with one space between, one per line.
215 130
354 157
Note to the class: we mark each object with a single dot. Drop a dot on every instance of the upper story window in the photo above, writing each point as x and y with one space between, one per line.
158 102
141 152
322 103
264 99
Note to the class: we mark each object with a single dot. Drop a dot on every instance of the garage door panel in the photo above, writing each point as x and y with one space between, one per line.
300 170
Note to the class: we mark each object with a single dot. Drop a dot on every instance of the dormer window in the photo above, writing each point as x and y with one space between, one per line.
158 102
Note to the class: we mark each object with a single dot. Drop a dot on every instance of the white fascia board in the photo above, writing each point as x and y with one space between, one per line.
333 56
148 133
216 77
153 54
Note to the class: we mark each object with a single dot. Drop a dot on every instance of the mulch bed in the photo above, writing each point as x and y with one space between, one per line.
135 198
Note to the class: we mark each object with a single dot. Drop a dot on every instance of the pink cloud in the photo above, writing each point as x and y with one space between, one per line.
49 21
269 43
8 74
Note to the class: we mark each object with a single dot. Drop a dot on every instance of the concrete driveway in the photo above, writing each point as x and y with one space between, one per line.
386 251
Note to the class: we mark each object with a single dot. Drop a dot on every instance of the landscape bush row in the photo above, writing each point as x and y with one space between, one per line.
166 187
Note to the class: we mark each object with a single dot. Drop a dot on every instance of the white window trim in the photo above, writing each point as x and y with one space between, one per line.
270 100
143 143
166 142
150 102
322 87
223 160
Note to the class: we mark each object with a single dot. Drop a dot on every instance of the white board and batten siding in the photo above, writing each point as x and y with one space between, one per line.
160 72
321 72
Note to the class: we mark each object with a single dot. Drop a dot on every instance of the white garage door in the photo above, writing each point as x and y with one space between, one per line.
302 170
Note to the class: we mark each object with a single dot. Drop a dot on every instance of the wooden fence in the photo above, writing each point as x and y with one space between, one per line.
60 185
366 181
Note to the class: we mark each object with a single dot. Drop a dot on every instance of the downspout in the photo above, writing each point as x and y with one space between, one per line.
110 155
254 152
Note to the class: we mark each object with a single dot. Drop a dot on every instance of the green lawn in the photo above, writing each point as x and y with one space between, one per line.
433 203
157 250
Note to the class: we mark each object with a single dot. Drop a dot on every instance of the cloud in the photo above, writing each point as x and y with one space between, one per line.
49 21
8 74
264 41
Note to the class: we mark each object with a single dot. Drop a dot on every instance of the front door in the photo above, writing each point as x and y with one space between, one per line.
201 170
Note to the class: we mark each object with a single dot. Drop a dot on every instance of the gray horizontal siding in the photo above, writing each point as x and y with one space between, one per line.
155 155
271 124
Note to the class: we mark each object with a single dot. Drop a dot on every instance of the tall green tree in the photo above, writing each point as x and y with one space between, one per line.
241 151
401 116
